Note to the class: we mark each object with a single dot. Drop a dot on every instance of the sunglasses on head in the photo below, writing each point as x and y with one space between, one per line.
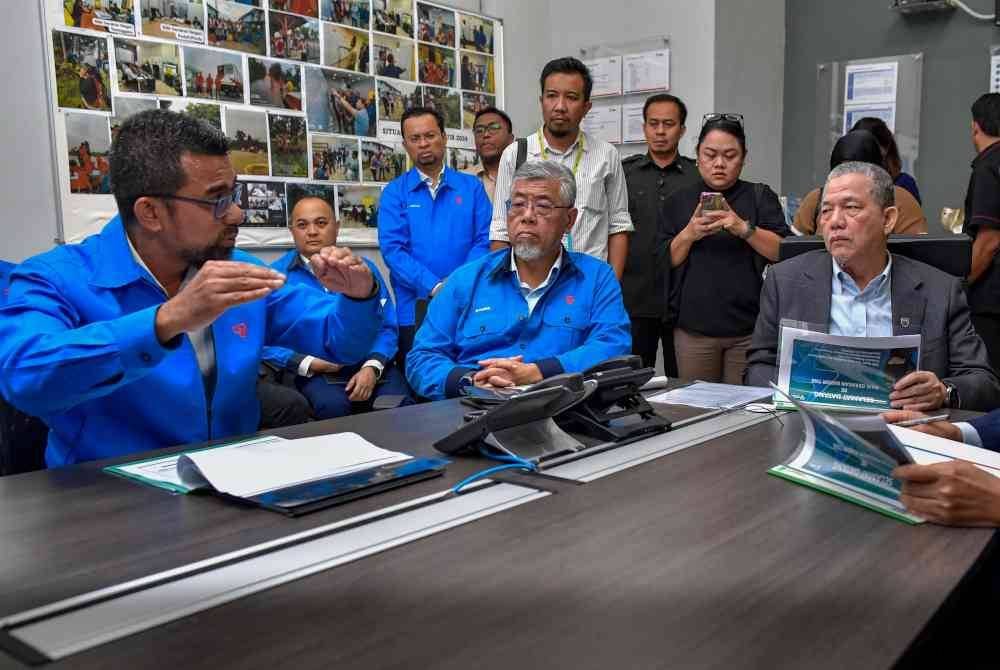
715 116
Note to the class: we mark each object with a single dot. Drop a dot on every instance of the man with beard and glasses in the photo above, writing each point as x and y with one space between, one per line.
604 224
431 220
525 313
149 333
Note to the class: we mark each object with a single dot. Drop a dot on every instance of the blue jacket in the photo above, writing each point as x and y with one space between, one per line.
78 349
424 239
5 270
387 340
480 313
988 427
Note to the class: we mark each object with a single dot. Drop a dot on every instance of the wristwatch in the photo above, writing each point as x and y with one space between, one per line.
376 370
751 228
951 399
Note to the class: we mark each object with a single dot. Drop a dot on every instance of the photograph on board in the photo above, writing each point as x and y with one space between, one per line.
237 25
395 97
382 161
182 20
340 102
393 57
147 67
462 159
294 37
112 16
354 13
472 104
126 107
345 48
263 204
289 147
88 140
296 192
205 111
477 73
275 83
82 77
475 33
334 158
216 75
445 100
435 24
358 206
308 8
393 16
247 133
437 65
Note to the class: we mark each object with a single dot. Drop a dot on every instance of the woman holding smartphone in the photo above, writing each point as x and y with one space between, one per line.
717 236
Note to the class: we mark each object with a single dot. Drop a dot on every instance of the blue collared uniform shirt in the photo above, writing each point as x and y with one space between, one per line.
480 313
384 348
858 313
78 349
423 239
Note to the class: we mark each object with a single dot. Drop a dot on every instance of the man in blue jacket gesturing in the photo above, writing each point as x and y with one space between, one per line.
525 313
149 333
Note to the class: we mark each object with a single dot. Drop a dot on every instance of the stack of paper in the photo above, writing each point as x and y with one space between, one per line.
712 396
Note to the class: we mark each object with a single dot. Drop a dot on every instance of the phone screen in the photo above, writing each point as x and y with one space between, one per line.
712 202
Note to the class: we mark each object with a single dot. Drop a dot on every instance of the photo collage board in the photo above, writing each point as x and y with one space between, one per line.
309 93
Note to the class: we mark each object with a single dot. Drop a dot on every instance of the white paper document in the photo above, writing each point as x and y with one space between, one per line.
604 122
249 469
995 73
607 75
927 449
647 71
885 111
870 82
632 122
712 396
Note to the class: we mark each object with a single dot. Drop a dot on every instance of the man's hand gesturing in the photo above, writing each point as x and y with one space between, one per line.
340 271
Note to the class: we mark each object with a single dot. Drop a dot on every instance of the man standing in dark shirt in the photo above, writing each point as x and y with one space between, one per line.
651 178
982 223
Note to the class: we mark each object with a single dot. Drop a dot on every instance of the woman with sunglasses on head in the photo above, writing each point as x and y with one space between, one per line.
717 236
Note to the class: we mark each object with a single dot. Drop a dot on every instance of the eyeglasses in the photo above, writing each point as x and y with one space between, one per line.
494 127
715 116
219 205
542 208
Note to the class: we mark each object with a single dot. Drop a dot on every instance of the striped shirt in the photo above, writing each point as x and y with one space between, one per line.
601 193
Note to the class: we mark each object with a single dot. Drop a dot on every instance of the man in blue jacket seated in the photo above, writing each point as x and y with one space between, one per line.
334 389
149 333
522 314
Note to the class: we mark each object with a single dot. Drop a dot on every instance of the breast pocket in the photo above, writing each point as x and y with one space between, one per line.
482 325
565 326
591 195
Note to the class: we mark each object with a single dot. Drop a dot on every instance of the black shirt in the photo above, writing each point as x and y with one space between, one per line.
645 283
982 209
716 291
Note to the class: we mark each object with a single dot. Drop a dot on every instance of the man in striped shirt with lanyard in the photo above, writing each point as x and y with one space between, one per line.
603 227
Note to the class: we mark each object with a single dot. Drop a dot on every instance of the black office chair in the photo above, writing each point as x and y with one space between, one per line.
948 253
22 441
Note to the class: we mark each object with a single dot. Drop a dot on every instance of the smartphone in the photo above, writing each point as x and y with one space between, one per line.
712 202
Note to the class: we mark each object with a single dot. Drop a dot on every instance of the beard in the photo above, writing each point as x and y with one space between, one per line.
528 252
219 250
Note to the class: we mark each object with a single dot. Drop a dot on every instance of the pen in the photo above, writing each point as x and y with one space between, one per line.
922 421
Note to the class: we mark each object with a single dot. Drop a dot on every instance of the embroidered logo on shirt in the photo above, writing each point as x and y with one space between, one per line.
570 300
241 330
904 322
458 200
483 309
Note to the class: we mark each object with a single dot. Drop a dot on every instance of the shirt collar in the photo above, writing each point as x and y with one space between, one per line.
982 155
676 164
117 263
875 284
427 179
416 178
554 269
579 136
503 265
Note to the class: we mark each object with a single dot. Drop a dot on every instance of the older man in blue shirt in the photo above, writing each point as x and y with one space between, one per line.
431 220
149 333
525 313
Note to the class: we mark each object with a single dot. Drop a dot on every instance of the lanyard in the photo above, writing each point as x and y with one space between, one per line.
576 166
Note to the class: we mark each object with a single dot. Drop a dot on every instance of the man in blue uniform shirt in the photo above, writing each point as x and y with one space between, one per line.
527 312
147 335
431 220
332 389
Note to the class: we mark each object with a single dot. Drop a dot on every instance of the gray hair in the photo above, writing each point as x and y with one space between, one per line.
883 190
549 171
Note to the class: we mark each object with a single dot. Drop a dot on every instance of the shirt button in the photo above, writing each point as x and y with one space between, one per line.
567 320
146 358
524 346
520 317
482 329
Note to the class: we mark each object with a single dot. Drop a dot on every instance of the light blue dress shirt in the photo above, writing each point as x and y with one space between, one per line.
858 313
533 295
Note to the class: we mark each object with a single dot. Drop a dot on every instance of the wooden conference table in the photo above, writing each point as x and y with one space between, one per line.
694 559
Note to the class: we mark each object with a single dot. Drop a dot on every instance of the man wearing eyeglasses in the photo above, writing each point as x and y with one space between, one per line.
149 333
525 313
493 131
334 389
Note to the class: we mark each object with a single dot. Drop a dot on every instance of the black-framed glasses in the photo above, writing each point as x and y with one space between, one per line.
542 208
716 116
219 205
494 127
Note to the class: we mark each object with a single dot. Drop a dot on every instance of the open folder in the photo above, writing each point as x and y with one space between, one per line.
288 476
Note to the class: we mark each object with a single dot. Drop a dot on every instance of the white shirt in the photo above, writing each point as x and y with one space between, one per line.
432 186
601 193
533 295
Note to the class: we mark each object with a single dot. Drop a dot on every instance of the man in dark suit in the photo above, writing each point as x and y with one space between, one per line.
857 288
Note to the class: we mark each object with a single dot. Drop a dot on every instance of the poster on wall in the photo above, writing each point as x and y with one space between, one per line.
308 92
870 90
646 71
607 75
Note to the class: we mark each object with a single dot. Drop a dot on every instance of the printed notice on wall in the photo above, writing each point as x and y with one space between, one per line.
604 122
632 122
647 71
995 73
607 75
870 90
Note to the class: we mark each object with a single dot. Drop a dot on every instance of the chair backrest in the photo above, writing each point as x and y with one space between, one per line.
22 441
948 253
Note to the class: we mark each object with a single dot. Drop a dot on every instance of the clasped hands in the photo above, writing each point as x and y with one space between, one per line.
504 372
219 285
703 224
